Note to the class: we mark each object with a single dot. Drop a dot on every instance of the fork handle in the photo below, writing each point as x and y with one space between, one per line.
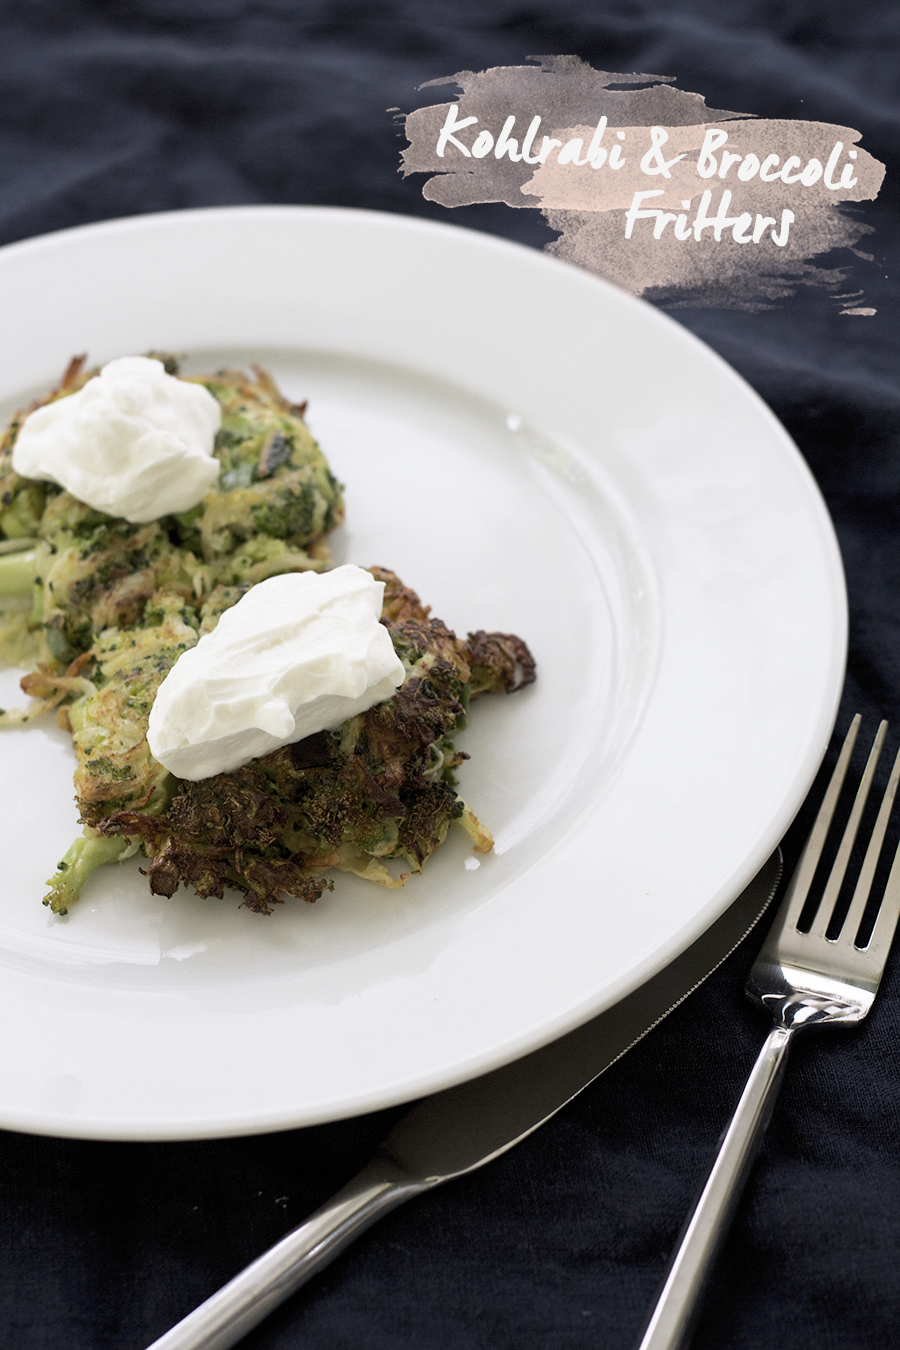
702 1235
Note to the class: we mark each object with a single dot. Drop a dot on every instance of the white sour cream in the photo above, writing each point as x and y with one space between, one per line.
297 654
133 442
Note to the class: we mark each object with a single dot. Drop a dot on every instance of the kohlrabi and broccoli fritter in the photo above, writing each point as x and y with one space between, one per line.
275 501
107 607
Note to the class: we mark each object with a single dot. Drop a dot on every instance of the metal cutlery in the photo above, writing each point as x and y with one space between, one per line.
460 1129
810 977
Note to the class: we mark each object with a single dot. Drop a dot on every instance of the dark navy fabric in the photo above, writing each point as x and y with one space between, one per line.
115 107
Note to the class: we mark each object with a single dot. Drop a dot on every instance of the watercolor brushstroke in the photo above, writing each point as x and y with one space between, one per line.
781 186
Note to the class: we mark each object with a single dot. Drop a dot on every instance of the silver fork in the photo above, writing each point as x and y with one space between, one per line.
804 979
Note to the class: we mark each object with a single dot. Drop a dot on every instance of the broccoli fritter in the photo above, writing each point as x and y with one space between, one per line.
275 501
380 787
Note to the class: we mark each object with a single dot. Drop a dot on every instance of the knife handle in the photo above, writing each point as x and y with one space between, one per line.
672 1318
241 1304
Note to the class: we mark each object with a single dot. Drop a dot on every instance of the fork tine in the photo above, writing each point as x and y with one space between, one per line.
798 890
879 943
870 862
883 931
839 868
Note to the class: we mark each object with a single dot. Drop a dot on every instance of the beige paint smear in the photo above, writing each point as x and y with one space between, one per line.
588 206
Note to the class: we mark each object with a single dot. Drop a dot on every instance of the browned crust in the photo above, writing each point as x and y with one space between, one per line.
499 661
400 604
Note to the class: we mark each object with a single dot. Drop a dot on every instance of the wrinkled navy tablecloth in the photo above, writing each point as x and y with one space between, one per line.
113 107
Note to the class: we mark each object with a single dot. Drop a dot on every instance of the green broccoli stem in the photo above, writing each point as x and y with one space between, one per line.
84 856
17 572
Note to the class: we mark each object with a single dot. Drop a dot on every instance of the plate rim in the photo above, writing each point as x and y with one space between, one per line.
715 905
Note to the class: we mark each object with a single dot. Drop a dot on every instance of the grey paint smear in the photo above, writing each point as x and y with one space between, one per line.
588 206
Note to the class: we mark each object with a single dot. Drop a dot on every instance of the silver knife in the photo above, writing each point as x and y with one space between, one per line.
462 1128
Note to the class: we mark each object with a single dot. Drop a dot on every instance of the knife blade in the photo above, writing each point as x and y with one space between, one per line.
462 1128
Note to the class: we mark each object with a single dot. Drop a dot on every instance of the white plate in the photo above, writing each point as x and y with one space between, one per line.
533 451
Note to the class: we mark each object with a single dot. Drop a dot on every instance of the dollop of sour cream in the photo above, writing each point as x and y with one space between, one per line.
297 654
133 442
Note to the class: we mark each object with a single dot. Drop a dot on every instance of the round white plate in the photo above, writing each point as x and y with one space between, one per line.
533 451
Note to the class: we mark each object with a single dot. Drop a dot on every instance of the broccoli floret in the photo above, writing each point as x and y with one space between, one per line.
289 513
82 858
